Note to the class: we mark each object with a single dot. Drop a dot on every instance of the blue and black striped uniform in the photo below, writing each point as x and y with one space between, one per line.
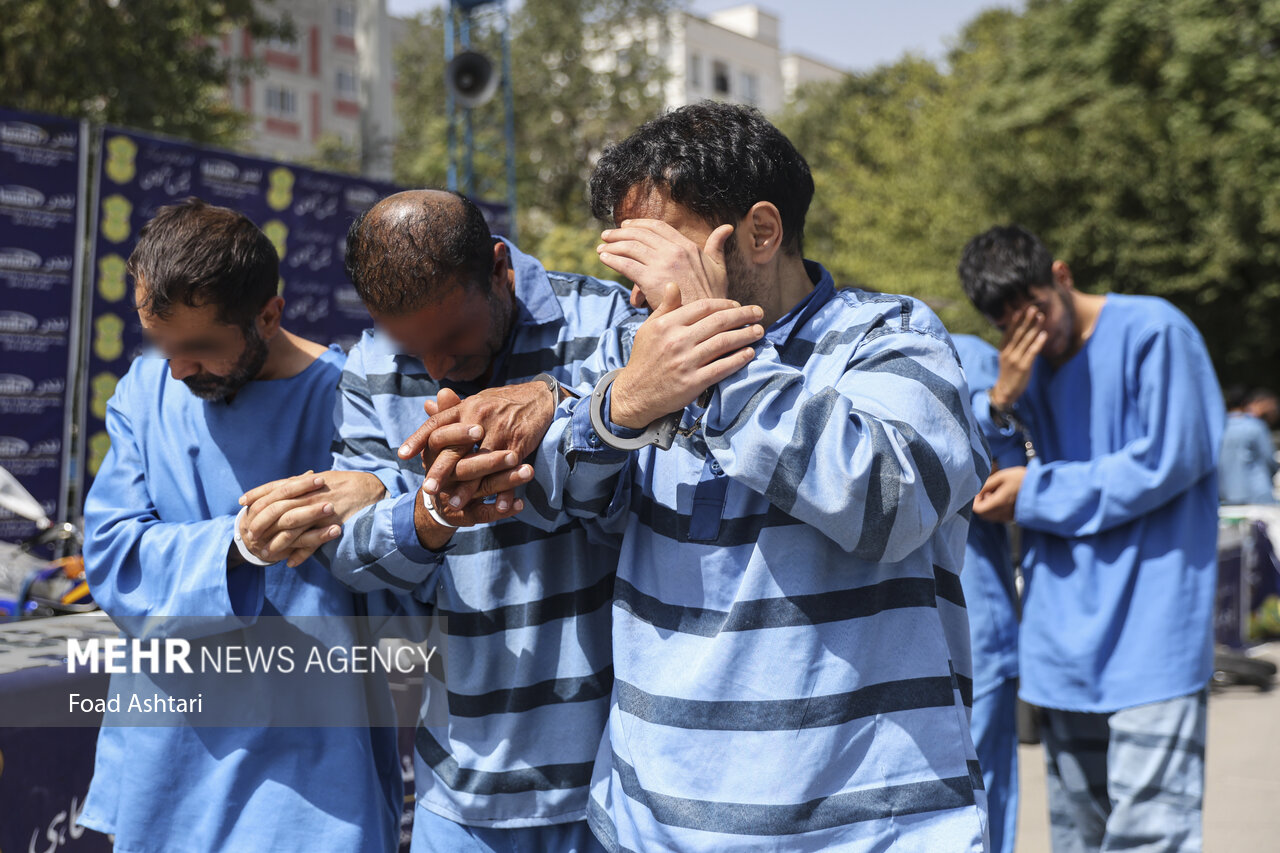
521 616
791 653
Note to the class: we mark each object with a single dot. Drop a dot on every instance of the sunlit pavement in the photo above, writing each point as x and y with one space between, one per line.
1242 789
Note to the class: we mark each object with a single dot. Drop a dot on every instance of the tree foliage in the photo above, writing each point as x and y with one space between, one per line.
152 65
1137 137
579 81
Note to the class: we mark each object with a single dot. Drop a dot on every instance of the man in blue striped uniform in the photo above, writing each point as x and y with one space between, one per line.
790 645
505 745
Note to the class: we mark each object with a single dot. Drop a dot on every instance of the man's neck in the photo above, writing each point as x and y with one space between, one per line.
794 285
288 355
1085 309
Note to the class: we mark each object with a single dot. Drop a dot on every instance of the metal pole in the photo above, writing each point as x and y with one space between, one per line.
469 166
509 124
451 109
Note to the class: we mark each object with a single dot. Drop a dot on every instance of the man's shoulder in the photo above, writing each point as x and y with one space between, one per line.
146 374
866 315
565 283
1148 313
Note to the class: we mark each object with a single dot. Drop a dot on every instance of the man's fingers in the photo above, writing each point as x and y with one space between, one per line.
722 321
455 435
623 265
725 343
483 513
260 524
290 487
308 543
442 468
723 368
416 443
504 483
652 232
306 516
691 314
484 463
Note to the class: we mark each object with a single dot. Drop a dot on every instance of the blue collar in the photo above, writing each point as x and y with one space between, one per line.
824 289
536 302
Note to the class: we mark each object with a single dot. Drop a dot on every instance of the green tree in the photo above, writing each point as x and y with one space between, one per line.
578 80
149 64
1138 137
894 203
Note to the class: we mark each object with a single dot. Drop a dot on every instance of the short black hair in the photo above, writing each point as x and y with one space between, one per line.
714 159
196 254
398 269
1236 397
1001 265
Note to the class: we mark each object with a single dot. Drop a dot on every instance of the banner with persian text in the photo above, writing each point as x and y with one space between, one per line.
42 184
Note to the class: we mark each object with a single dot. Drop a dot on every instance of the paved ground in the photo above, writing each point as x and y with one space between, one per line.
1242 789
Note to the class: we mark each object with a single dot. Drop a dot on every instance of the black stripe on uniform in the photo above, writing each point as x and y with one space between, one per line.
548 777
513 700
828 812
777 715
561 605
811 609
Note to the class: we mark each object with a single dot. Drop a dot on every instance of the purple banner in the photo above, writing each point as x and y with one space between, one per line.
305 213
41 192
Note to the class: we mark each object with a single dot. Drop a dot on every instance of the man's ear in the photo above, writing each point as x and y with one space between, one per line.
759 237
1062 275
270 316
499 280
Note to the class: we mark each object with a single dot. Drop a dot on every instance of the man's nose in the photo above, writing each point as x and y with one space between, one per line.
181 368
438 366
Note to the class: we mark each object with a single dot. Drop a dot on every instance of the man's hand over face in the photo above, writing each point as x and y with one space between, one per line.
291 518
680 351
1022 343
651 253
999 495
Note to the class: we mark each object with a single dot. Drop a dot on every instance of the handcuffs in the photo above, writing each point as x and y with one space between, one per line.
661 433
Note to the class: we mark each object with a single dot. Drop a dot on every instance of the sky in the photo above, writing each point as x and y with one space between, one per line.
852 34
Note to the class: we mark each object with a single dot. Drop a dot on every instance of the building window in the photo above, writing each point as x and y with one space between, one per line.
347 84
346 19
720 77
750 89
282 101
286 44
695 71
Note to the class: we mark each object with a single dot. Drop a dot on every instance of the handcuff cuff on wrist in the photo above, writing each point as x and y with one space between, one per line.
1004 418
245 553
661 433
435 513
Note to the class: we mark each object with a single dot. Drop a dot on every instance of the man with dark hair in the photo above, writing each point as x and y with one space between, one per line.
1248 452
506 741
164 558
1119 517
790 645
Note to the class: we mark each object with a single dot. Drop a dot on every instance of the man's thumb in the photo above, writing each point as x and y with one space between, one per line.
715 243
670 299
